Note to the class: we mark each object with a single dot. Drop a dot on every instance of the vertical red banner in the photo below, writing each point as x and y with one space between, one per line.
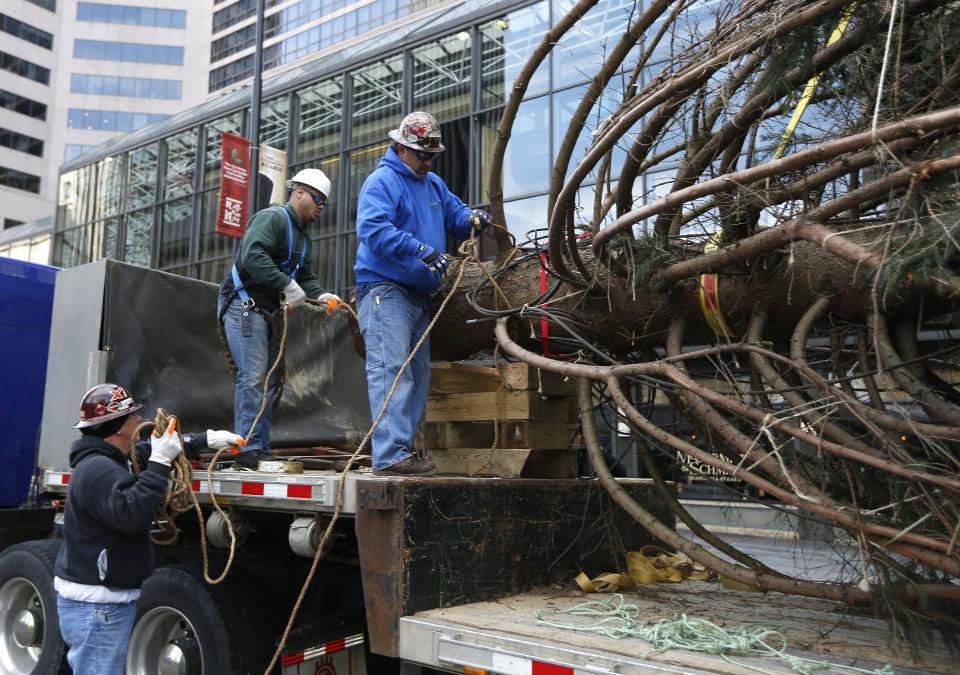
234 185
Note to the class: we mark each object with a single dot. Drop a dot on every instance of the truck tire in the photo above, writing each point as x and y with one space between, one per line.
185 626
30 641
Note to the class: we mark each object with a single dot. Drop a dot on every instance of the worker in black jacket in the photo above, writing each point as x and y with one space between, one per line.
107 552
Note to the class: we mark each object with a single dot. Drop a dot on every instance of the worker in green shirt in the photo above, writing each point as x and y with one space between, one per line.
272 269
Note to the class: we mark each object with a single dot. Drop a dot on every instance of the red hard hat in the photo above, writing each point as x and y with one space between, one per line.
103 403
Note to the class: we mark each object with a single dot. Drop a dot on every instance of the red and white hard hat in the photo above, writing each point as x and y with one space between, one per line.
420 131
103 403
314 178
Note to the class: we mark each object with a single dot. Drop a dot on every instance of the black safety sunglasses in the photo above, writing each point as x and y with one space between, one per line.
318 199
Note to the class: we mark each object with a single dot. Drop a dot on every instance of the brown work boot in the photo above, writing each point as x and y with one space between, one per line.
412 466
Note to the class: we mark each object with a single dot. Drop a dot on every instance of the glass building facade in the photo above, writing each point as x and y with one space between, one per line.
150 198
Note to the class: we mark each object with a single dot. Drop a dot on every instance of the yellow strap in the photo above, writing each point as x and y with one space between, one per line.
649 565
812 84
710 295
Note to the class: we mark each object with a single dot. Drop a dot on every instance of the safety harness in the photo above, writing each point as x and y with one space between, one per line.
245 300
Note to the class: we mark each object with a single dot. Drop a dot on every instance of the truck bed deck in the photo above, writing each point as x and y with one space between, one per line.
503 636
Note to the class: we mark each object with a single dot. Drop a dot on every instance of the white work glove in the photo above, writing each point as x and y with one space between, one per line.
330 301
221 440
294 294
165 449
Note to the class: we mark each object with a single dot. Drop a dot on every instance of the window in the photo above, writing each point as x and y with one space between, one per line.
505 45
10 222
329 32
581 51
233 14
352 23
109 188
376 100
25 31
105 85
110 120
137 16
73 150
319 123
142 190
50 5
18 66
181 164
19 180
526 165
23 105
333 30
213 245
128 51
274 115
441 77
21 142
228 16
235 71
136 243
233 42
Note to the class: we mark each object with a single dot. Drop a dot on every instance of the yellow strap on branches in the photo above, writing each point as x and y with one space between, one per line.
812 83
710 295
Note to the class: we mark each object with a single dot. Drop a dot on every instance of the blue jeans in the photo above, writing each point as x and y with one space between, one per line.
392 321
254 348
97 634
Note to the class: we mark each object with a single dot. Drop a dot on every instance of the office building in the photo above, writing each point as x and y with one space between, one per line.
456 60
74 74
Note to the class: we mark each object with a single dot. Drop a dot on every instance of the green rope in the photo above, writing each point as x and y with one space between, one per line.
616 619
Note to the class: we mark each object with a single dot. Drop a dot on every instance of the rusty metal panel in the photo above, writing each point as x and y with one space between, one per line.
378 540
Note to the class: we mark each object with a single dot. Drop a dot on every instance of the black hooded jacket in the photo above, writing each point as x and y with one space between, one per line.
108 515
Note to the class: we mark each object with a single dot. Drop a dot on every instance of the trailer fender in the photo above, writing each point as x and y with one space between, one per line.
30 641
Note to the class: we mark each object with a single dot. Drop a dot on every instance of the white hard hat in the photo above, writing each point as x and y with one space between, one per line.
314 178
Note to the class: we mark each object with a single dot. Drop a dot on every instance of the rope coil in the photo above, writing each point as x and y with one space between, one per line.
180 491
615 618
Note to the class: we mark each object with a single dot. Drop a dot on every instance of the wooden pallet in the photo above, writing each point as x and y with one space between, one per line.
458 378
513 434
536 413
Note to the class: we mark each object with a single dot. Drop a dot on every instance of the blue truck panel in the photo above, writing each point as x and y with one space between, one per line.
26 304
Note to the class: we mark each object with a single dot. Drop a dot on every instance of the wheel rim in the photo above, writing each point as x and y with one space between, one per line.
21 626
165 642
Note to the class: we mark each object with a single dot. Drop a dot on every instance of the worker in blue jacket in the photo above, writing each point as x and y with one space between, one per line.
404 215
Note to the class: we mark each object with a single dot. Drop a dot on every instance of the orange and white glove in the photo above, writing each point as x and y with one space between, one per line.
330 301
221 440
164 450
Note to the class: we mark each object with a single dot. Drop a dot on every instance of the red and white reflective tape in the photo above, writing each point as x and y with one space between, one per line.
315 652
57 477
253 489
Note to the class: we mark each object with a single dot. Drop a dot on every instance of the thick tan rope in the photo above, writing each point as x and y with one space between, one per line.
469 252
216 457
177 498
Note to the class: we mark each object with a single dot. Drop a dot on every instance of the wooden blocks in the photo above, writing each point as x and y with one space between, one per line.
535 412
513 434
456 378
503 462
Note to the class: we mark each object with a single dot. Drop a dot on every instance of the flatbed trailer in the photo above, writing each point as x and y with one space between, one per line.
503 636
437 573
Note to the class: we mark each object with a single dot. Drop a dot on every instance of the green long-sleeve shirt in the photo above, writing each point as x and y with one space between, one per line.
265 245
